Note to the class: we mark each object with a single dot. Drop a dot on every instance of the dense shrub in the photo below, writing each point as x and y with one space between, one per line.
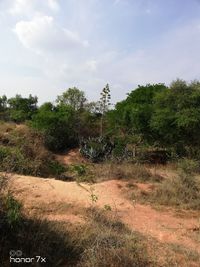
57 126
96 149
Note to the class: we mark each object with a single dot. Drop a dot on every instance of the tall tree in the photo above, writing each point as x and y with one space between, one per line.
72 97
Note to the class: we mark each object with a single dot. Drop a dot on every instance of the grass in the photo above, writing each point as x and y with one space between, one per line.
189 254
107 242
22 151
100 242
182 192
124 171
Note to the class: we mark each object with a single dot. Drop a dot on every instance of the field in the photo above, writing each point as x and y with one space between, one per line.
103 214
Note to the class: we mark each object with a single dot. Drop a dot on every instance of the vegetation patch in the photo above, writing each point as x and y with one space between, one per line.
24 153
182 191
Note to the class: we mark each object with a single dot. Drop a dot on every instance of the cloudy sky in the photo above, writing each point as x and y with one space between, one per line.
47 46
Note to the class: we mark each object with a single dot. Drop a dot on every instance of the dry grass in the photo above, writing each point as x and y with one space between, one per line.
22 151
125 171
182 191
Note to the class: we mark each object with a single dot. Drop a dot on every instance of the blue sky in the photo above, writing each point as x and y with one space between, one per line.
49 45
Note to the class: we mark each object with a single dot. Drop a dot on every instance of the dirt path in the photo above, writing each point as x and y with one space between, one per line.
162 225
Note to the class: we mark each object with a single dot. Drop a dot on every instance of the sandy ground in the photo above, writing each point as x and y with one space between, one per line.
165 226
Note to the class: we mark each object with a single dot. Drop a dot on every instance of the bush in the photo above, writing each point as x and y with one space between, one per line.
80 169
13 211
57 126
119 151
4 152
96 149
56 168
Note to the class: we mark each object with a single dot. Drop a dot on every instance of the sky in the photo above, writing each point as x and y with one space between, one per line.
47 46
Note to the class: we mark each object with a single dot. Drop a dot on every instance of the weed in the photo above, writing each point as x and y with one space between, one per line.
13 211
80 169
107 207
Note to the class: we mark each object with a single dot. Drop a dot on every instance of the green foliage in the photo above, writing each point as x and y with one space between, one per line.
21 109
56 168
104 104
80 169
176 117
13 211
133 115
4 152
57 125
72 97
3 108
119 151
3 103
96 149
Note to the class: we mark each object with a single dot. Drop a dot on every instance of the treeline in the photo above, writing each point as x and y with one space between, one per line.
154 115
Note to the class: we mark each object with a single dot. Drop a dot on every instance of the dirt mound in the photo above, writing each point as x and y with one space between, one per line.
162 225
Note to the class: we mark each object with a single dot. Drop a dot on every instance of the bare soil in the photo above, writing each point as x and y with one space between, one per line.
165 226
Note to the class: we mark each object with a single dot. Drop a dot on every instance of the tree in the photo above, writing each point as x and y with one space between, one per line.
3 103
72 97
104 105
57 125
133 115
3 107
176 117
22 109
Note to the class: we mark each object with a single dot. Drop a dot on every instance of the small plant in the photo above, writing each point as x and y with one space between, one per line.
107 207
56 168
94 198
13 211
80 169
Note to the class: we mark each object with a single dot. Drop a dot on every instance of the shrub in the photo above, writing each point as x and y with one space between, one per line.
13 211
56 168
118 151
4 152
96 149
80 169
57 125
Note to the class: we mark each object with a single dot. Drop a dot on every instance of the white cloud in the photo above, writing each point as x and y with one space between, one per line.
31 7
42 34
21 6
53 4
